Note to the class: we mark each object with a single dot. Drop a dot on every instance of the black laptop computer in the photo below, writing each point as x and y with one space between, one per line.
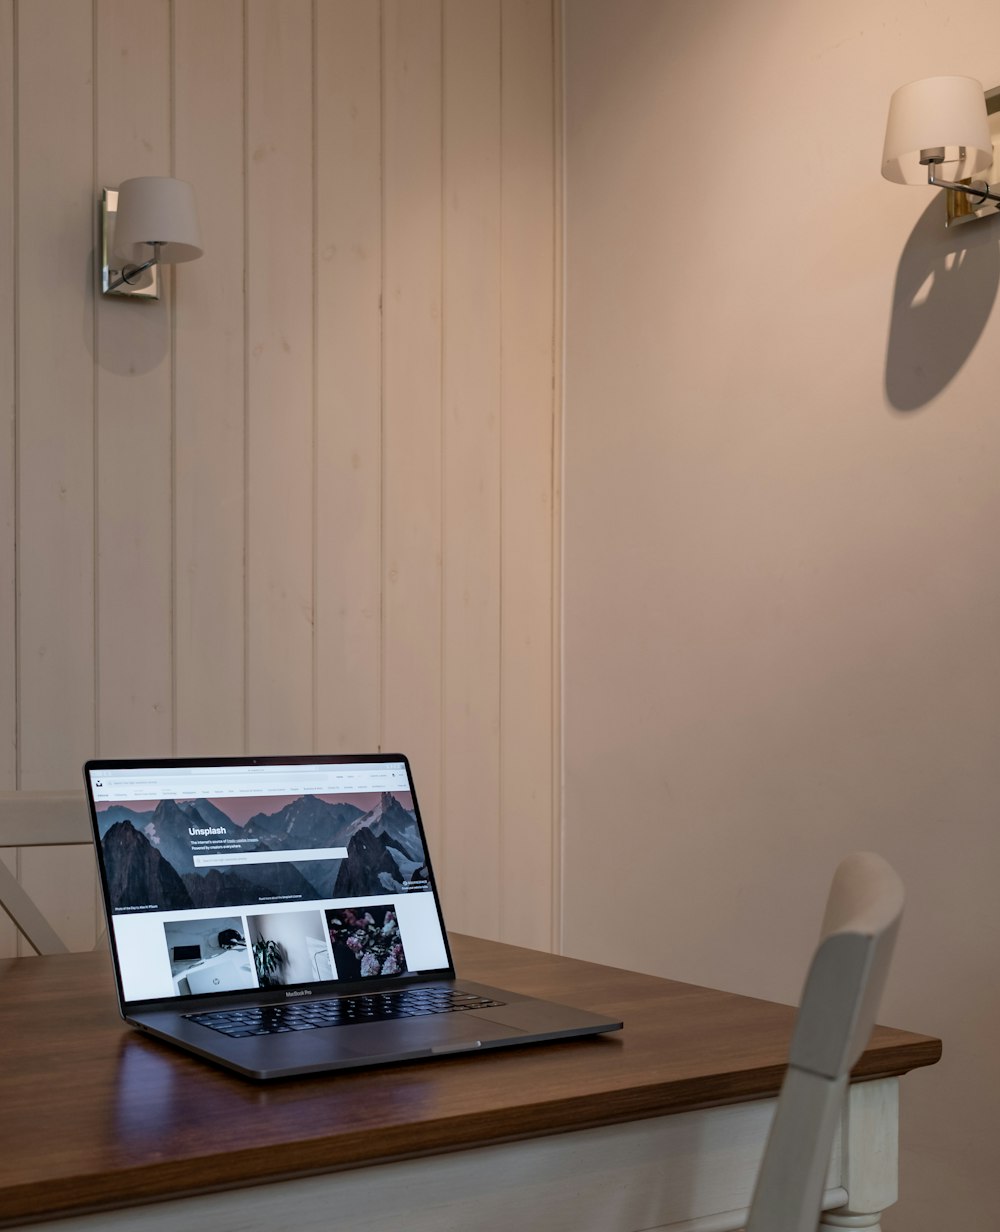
278 915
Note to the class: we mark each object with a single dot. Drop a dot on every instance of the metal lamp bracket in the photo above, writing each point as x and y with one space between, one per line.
963 207
144 285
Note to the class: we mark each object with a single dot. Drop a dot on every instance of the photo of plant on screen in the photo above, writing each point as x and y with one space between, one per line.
365 941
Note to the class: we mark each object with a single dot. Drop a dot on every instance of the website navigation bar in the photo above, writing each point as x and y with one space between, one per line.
193 782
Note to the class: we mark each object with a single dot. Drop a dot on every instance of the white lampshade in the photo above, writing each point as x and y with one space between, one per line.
947 113
157 209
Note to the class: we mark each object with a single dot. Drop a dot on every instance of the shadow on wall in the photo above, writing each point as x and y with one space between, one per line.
946 286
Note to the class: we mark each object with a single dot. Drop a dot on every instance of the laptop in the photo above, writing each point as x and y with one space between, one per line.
279 916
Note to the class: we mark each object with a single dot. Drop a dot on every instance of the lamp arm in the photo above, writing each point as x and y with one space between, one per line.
976 188
129 271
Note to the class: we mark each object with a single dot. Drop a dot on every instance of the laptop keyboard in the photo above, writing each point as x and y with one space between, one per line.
340 1011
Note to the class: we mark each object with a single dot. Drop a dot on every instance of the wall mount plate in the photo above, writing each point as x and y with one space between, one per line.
147 284
962 208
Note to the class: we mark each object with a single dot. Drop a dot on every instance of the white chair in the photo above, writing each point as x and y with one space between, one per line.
836 1014
38 819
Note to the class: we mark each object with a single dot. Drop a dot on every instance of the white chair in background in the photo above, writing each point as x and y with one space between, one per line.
38 819
836 1014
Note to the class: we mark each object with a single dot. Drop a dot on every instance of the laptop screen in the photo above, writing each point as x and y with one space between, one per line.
264 874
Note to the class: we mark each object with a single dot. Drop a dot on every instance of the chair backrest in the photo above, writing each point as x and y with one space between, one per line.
836 1014
38 819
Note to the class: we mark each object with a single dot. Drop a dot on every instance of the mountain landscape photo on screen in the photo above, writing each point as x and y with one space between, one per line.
172 857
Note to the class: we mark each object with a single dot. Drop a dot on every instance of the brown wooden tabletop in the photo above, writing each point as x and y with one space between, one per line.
95 1116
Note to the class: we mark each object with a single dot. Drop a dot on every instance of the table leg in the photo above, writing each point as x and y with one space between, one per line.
869 1150
837 1219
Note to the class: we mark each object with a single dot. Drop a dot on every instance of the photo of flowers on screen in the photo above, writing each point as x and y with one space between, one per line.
365 941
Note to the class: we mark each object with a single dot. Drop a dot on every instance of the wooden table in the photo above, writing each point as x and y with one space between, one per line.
660 1124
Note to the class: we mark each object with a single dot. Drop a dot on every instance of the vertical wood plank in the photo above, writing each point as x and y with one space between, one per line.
348 375
56 206
279 288
471 464
56 209
133 429
411 401
529 451
403 482
209 383
8 395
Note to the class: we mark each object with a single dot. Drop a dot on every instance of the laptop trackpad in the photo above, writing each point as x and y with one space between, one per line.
448 1028
524 1015
434 1032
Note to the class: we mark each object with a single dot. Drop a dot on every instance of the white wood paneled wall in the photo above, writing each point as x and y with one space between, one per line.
309 501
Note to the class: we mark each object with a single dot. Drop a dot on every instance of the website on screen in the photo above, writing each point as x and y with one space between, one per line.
224 878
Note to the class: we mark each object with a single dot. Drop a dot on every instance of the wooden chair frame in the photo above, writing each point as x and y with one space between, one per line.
38 819
836 1015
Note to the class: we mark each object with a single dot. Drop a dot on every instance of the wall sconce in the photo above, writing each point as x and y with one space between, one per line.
148 221
942 123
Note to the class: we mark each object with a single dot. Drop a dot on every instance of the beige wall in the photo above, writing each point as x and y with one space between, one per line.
782 511
307 502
